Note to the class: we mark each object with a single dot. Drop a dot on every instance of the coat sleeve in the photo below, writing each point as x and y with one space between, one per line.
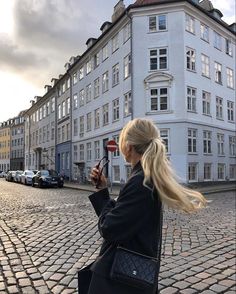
121 220
100 200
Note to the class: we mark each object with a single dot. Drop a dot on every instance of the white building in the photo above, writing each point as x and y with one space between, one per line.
171 61
40 131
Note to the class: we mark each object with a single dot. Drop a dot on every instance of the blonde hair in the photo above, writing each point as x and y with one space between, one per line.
145 138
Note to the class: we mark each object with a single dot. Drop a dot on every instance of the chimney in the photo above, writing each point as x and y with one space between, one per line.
119 8
233 27
90 42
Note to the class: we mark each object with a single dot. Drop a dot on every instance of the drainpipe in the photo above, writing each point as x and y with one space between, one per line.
71 106
131 55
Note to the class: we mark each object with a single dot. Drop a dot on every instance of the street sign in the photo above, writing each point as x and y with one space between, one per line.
112 146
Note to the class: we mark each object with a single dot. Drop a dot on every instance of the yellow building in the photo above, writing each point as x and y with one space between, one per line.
5 146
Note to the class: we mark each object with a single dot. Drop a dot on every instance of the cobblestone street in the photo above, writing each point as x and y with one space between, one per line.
46 235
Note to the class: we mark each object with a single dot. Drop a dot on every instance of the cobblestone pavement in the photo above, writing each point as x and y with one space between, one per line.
46 235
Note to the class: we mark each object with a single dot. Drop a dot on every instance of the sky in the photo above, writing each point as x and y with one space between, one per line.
37 37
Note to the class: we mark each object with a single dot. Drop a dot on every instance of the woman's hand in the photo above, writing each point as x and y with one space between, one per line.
98 179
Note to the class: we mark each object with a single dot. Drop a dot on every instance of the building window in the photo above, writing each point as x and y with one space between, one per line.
59 111
88 66
63 133
81 97
220 144
219 108
75 153
68 83
218 72
230 77
116 170
81 152
105 82
88 93
48 108
75 127
157 23
116 109
207 142
96 60
64 87
190 24
89 121
191 59
206 103
230 111
192 140
63 108
232 145
75 99
97 118
207 171
117 152
204 32
217 41
191 99
67 160
81 126
164 133
89 151
159 99
96 87
63 160
40 113
68 106
127 104
127 32
52 130
158 59
192 172
53 104
105 52
127 66
221 171
75 78
105 114
81 73
228 47
97 149
115 75
115 43
205 65
232 171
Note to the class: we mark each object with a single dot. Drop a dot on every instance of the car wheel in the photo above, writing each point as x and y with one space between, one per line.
32 183
25 182
40 184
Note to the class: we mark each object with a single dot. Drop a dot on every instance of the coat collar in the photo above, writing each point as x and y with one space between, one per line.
137 168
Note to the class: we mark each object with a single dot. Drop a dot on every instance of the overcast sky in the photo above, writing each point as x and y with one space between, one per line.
37 37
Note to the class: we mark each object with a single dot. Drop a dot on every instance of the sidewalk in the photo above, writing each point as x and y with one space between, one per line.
205 189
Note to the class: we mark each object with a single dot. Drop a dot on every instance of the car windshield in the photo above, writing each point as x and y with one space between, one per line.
29 173
51 173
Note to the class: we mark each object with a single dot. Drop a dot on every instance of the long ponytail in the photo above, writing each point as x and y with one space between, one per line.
145 138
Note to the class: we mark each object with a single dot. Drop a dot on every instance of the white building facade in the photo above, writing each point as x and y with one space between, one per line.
172 62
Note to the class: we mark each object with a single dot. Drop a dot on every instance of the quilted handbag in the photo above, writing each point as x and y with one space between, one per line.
134 269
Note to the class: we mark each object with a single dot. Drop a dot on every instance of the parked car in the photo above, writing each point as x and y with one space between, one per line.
2 174
17 177
10 176
26 177
47 178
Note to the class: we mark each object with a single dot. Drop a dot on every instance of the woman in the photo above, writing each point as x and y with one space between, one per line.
134 221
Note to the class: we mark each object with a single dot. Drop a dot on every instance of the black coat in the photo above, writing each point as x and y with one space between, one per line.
134 221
